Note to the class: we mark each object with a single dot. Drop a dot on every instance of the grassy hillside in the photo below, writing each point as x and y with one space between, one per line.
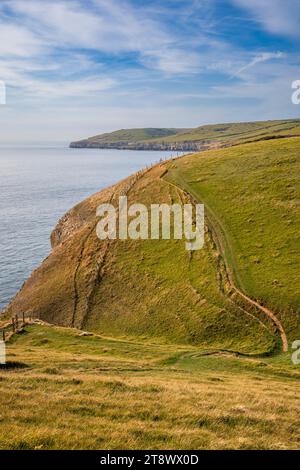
178 358
251 195
133 135
148 289
236 133
229 133
157 290
66 391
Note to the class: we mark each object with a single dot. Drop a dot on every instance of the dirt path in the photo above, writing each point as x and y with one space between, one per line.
266 311
270 314
277 323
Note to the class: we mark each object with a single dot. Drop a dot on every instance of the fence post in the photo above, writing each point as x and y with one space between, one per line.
17 322
23 315
3 335
13 324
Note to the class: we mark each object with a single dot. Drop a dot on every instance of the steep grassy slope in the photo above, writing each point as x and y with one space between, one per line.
251 195
191 139
155 288
93 392
173 360
151 288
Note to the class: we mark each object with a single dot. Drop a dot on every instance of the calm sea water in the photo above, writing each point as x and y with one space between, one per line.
38 185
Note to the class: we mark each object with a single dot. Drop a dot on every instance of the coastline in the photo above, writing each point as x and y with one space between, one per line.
188 146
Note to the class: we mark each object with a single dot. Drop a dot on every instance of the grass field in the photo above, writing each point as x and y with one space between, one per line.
237 133
61 390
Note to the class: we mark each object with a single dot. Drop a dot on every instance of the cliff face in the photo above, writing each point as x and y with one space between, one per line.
79 216
188 146
50 292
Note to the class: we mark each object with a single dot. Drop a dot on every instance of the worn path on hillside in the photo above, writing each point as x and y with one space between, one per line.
123 190
277 323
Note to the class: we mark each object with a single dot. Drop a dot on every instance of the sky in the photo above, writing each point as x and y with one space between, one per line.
76 68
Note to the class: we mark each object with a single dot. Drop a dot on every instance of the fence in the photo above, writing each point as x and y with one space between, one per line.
14 326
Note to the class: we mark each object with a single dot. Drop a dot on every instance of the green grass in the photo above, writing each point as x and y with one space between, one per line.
172 363
134 135
93 392
155 289
251 195
232 133
236 133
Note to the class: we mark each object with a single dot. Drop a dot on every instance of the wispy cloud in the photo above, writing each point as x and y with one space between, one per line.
18 41
111 27
258 59
276 16
122 55
55 34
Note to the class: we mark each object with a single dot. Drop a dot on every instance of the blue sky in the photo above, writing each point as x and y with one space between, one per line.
74 68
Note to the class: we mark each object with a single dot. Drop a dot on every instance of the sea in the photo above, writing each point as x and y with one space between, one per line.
38 185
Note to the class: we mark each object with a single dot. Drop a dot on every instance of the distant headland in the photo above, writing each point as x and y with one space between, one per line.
193 139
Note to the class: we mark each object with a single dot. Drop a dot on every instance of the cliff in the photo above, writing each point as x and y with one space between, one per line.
191 140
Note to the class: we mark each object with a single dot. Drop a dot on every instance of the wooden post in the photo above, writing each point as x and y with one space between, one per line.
23 314
17 322
13 324
3 335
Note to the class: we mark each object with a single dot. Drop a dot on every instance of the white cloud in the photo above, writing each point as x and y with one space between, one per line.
16 40
61 53
113 27
258 59
48 78
61 23
172 61
276 16
53 31
68 88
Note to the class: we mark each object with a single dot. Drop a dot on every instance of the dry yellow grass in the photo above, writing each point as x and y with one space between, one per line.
153 385
99 393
